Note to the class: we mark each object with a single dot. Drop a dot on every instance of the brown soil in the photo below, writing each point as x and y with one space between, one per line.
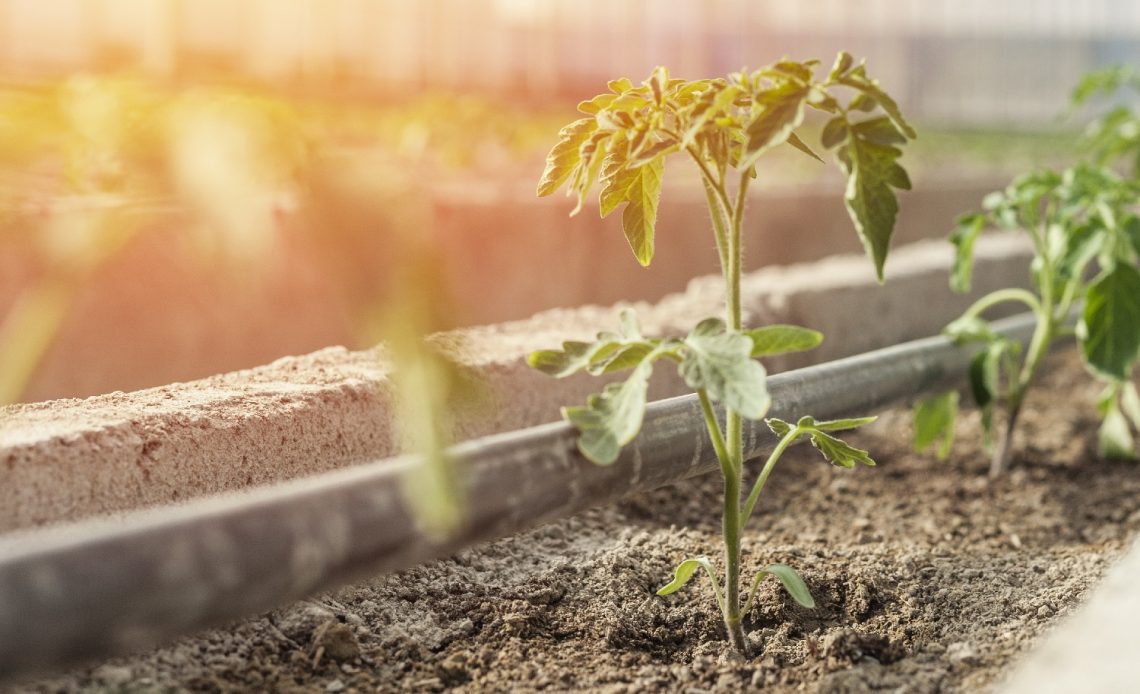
927 576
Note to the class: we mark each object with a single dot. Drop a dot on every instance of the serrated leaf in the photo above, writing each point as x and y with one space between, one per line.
612 418
843 63
870 201
684 573
934 423
771 340
720 363
791 581
639 219
795 141
778 426
712 104
839 452
963 237
834 132
862 102
1109 330
1114 439
564 156
573 357
880 131
856 79
781 110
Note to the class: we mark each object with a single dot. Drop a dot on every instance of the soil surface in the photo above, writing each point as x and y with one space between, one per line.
927 577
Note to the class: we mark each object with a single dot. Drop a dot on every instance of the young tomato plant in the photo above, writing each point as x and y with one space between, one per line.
1078 219
724 126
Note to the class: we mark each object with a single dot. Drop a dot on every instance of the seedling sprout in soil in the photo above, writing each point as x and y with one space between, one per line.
1079 220
724 126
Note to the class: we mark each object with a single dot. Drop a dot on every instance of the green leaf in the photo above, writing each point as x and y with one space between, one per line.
834 132
934 423
712 104
612 418
684 574
573 357
1109 330
781 110
640 189
791 581
880 131
771 340
1114 439
843 63
795 141
778 426
857 79
564 156
872 170
963 237
720 363
835 424
839 452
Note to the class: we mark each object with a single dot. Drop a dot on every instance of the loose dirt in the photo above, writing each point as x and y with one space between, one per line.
927 577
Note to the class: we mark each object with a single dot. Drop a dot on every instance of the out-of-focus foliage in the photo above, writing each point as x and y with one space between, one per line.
1113 137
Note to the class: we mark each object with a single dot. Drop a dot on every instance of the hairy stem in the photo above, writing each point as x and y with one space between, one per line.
731 530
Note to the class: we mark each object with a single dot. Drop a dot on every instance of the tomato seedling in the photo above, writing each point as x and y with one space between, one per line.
724 126
1086 245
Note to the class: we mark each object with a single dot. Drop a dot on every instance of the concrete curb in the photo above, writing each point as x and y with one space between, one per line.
69 459
1094 650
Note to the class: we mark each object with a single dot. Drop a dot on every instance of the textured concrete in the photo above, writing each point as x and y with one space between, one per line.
68 459
1095 649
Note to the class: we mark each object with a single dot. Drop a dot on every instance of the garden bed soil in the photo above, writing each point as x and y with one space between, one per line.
927 577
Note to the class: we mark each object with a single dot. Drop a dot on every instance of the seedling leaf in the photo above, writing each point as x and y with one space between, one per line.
963 237
778 426
838 452
776 339
612 418
834 132
872 170
791 581
1109 331
639 188
781 112
857 79
795 141
720 363
837 424
684 573
934 423
564 156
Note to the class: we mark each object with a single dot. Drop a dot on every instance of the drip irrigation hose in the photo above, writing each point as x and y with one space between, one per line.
97 589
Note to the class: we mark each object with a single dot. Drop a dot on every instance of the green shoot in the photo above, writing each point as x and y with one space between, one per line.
724 126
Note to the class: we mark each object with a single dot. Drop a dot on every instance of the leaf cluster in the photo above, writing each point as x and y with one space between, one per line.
1114 136
1086 238
725 124
720 362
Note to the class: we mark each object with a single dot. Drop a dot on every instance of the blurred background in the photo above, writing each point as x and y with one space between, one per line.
194 186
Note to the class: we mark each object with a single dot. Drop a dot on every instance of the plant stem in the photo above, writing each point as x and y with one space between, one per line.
1001 296
731 530
769 465
1038 346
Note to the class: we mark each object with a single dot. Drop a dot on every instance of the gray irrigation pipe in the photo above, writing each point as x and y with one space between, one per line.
98 589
